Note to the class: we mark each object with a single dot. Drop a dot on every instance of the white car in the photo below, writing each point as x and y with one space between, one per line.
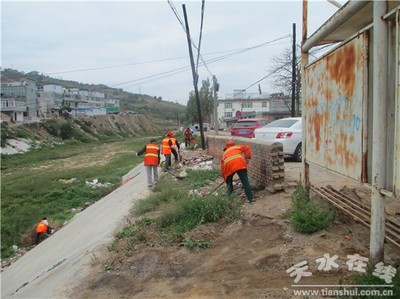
287 131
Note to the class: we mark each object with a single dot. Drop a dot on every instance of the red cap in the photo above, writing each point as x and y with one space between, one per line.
229 143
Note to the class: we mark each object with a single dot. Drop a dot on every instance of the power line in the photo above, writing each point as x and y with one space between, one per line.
191 41
232 52
114 66
216 59
265 77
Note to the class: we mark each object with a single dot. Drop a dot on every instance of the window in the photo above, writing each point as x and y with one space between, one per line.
228 105
247 105
228 114
264 104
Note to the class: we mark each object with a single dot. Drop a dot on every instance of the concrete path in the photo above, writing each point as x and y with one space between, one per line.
58 262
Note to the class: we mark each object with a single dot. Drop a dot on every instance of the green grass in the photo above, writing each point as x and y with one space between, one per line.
368 279
178 212
196 244
308 215
31 188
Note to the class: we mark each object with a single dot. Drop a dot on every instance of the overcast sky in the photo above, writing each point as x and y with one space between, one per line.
141 46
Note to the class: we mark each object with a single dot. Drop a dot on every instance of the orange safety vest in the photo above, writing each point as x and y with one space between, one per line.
234 159
42 227
166 148
151 154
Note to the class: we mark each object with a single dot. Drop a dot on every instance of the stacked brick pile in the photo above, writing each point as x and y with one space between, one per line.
266 168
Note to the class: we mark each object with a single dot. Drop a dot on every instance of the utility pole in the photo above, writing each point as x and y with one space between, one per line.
195 79
293 112
215 88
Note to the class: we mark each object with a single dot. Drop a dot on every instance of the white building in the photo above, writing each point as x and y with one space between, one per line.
240 104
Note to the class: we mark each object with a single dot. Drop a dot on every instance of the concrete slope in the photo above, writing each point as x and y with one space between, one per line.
49 269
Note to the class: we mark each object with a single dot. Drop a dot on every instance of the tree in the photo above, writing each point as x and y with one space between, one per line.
206 103
282 73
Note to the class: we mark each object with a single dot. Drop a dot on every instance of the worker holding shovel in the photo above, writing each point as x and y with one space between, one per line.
234 160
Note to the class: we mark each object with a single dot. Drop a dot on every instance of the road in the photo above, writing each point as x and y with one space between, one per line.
58 262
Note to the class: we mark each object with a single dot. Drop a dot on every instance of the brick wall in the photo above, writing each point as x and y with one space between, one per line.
266 167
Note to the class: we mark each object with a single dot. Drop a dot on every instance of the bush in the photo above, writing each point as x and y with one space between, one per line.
185 214
53 127
66 130
308 215
368 279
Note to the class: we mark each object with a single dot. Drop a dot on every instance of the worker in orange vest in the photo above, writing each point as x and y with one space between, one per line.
175 148
168 146
42 228
151 153
234 160
166 150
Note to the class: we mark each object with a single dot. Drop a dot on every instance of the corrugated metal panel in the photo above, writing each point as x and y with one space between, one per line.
343 29
336 99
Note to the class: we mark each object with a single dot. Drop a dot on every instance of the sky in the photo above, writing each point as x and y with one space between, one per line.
141 46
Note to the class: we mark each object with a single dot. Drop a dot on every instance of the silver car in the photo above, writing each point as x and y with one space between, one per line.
287 131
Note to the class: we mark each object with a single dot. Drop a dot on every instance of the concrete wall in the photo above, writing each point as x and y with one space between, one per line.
266 167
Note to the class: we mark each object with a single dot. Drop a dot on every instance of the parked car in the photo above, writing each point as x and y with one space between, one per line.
246 127
288 131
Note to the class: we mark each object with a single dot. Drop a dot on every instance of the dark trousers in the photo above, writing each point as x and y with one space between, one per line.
39 236
175 153
167 161
187 142
242 173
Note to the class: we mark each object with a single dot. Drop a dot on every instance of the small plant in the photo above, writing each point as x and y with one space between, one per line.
368 279
145 221
199 178
196 244
308 215
107 267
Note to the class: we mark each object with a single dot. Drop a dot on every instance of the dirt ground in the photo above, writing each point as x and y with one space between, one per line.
248 258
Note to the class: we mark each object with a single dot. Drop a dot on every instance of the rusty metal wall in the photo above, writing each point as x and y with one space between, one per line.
395 44
335 109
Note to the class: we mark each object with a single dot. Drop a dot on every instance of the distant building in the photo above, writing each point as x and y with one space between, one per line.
22 101
50 100
240 104
19 101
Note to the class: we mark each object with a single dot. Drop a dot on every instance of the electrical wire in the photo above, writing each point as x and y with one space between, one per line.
187 33
263 78
216 59
115 66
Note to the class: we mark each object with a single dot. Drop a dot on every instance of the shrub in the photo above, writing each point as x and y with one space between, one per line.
185 214
368 279
53 127
308 215
66 130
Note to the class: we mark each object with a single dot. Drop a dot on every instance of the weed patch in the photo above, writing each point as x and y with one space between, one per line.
196 244
178 212
368 279
308 215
